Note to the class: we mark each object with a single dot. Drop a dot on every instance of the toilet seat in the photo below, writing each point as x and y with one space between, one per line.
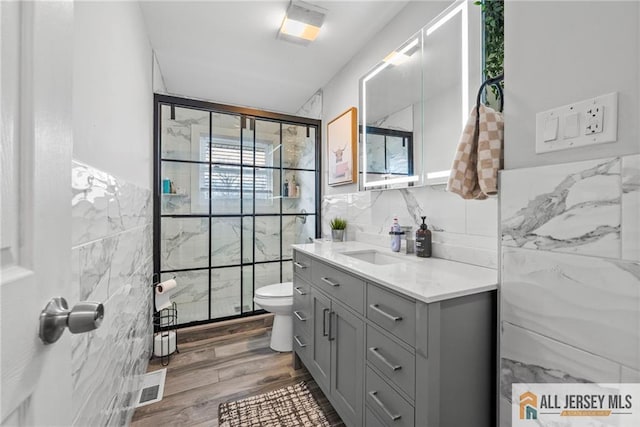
278 290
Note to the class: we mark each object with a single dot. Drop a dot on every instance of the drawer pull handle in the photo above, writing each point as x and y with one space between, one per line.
297 314
327 280
374 396
299 290
299 265
384 313
375 352
300 343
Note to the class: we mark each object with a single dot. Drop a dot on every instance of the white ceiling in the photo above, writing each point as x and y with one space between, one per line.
227 51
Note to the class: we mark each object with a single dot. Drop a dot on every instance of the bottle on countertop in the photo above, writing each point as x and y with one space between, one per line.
396 232
423 240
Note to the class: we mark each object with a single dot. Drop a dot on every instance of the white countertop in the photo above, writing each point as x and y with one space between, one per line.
425 279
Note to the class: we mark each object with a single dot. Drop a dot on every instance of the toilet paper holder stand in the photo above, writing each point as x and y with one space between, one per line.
165 329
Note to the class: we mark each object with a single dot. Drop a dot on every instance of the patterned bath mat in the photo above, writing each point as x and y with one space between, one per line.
289 406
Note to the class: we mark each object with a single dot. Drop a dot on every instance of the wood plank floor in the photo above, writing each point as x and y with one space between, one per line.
221 362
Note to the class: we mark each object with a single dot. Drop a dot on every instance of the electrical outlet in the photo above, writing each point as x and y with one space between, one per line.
588 122
594 117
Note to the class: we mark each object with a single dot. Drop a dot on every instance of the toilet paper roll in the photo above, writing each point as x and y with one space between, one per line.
163 293
164 343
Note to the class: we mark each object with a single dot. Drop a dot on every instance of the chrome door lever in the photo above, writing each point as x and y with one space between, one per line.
56 316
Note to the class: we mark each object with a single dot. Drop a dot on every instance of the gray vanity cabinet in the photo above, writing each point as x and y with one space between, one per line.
384 359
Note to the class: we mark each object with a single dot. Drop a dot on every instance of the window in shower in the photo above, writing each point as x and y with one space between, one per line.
223 225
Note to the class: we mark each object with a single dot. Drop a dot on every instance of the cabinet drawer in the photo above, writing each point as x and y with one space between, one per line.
396 364
301 294
385 402
342 286
302 265
370 420
392 312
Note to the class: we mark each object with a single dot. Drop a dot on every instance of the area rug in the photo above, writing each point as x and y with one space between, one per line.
289 406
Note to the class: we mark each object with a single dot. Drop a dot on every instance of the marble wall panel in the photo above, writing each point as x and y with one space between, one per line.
591 303
461 223
572 207
631 208
528 357
112 264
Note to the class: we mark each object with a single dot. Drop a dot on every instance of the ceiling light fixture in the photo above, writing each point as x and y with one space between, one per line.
302 22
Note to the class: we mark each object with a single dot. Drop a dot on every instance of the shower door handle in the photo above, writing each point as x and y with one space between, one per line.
56 316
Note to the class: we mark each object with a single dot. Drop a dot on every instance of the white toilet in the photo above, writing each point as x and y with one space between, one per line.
278 299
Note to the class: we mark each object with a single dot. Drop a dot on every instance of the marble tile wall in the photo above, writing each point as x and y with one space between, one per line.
570 274
462 230
112 264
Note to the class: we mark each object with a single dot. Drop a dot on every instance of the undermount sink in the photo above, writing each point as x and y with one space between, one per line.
373 257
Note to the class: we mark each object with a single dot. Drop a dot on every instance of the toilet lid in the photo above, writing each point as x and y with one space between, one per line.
278 290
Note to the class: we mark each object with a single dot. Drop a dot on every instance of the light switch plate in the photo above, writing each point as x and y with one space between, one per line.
597 123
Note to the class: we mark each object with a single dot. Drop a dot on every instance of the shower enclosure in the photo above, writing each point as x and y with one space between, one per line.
234 189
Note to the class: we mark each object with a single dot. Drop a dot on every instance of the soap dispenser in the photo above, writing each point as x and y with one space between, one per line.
423 240
396 232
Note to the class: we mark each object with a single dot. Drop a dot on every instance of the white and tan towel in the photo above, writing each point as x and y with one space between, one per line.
474 174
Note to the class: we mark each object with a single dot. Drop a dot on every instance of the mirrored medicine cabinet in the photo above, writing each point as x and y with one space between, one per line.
415 102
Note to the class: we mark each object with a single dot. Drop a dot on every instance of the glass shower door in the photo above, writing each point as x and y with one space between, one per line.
240 190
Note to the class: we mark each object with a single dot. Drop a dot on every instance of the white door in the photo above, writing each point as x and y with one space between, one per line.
35 242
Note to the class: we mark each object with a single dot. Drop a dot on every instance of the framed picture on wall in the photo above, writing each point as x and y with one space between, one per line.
341 148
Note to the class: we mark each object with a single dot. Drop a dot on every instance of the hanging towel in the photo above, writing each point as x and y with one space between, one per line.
474 174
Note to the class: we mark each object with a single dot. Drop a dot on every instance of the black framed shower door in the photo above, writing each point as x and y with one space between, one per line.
223 220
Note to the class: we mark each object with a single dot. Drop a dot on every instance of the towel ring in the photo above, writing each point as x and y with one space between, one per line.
495 81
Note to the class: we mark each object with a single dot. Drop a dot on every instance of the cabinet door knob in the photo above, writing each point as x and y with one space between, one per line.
299 265
300 343
299 290
299 316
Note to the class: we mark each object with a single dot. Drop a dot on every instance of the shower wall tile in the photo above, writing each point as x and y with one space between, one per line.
191 295
225 241
184 243
111 263
631 208
312 108
572 207
591 303
267 238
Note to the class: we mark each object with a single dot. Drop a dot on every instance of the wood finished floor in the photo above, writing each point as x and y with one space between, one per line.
218 363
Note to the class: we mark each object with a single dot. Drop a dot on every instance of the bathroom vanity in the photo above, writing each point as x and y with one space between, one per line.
396 340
